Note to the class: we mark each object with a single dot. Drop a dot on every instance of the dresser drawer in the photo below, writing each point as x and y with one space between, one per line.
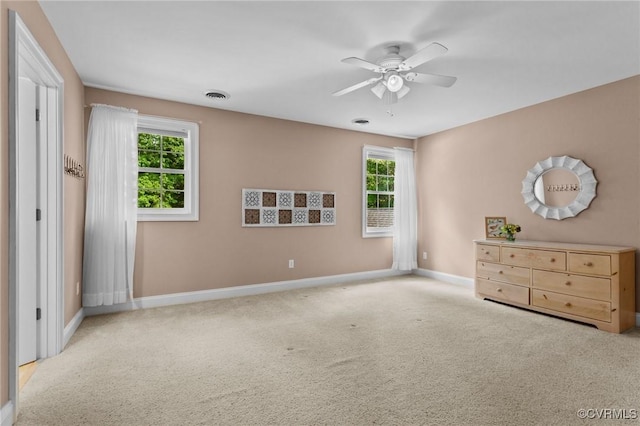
598 264
487 252
546 259
576 285
579 306
502 291
504 273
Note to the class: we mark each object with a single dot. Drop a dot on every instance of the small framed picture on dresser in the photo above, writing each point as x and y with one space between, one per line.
492 226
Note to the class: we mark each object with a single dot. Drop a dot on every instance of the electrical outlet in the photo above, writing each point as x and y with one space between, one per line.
424 255
77 288
292 263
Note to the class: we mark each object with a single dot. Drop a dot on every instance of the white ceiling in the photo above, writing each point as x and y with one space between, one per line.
282 59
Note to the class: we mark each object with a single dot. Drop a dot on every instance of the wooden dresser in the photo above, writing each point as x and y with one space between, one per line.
593 284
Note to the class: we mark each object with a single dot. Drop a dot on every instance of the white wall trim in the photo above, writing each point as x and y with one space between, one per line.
6 414
448 278
73 325
244 290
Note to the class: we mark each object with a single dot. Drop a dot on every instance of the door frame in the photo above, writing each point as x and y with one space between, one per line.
27 59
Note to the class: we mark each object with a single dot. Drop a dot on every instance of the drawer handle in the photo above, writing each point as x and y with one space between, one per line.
500 272
552 260
588 264
499 290
567 283
512 255
568 305
486 252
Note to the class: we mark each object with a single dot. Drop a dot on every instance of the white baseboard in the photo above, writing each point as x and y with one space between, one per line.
245 290
71 328
254 289
6 414
448 278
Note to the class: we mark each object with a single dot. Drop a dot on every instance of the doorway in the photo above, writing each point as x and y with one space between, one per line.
35 200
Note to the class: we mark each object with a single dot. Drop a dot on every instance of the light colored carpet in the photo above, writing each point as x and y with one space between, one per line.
403 351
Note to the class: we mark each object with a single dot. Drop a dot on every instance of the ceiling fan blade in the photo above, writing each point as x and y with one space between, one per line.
363 64
357 86
421 56
435 79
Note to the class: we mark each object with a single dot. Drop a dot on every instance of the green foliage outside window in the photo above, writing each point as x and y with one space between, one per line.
163 187
380 183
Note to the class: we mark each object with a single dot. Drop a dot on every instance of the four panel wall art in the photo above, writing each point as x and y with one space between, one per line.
270 207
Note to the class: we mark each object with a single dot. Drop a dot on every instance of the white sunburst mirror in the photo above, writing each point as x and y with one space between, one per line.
559 187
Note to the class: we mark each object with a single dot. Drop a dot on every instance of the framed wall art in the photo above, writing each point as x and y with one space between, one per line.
273 207
492 226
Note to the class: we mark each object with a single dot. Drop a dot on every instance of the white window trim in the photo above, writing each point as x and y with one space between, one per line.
367 151
190 212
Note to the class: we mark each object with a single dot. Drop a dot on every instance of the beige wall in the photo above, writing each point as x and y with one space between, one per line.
37 23
246 151
473 171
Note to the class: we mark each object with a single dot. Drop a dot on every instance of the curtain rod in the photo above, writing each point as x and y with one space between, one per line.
115 107
134 110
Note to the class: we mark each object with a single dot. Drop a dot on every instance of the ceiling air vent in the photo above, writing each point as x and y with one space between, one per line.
360 121
217 95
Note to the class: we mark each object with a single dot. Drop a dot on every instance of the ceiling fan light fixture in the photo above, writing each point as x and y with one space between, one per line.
394 83
389 98
379 89
403 91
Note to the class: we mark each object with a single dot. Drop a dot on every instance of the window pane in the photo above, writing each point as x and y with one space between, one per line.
172 181
371 166
148 159
383 201
391 168
371 183
383 183
148 199
172 144
148 141
372 201
391 201
149 180
172 161
391 182
382 167
172 200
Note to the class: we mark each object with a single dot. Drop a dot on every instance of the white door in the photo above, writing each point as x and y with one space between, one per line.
27 254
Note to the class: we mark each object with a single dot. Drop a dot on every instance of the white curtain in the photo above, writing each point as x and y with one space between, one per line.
110 217
405 237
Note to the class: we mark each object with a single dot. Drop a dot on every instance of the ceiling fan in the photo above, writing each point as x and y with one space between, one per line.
394 69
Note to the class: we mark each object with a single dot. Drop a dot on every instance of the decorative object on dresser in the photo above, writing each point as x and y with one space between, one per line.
510 230
593 284
492 226
559 187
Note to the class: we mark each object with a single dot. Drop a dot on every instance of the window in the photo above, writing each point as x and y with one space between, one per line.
167 169
378 171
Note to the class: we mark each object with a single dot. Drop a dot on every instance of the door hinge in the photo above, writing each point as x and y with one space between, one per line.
38 314
38 215
37 115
